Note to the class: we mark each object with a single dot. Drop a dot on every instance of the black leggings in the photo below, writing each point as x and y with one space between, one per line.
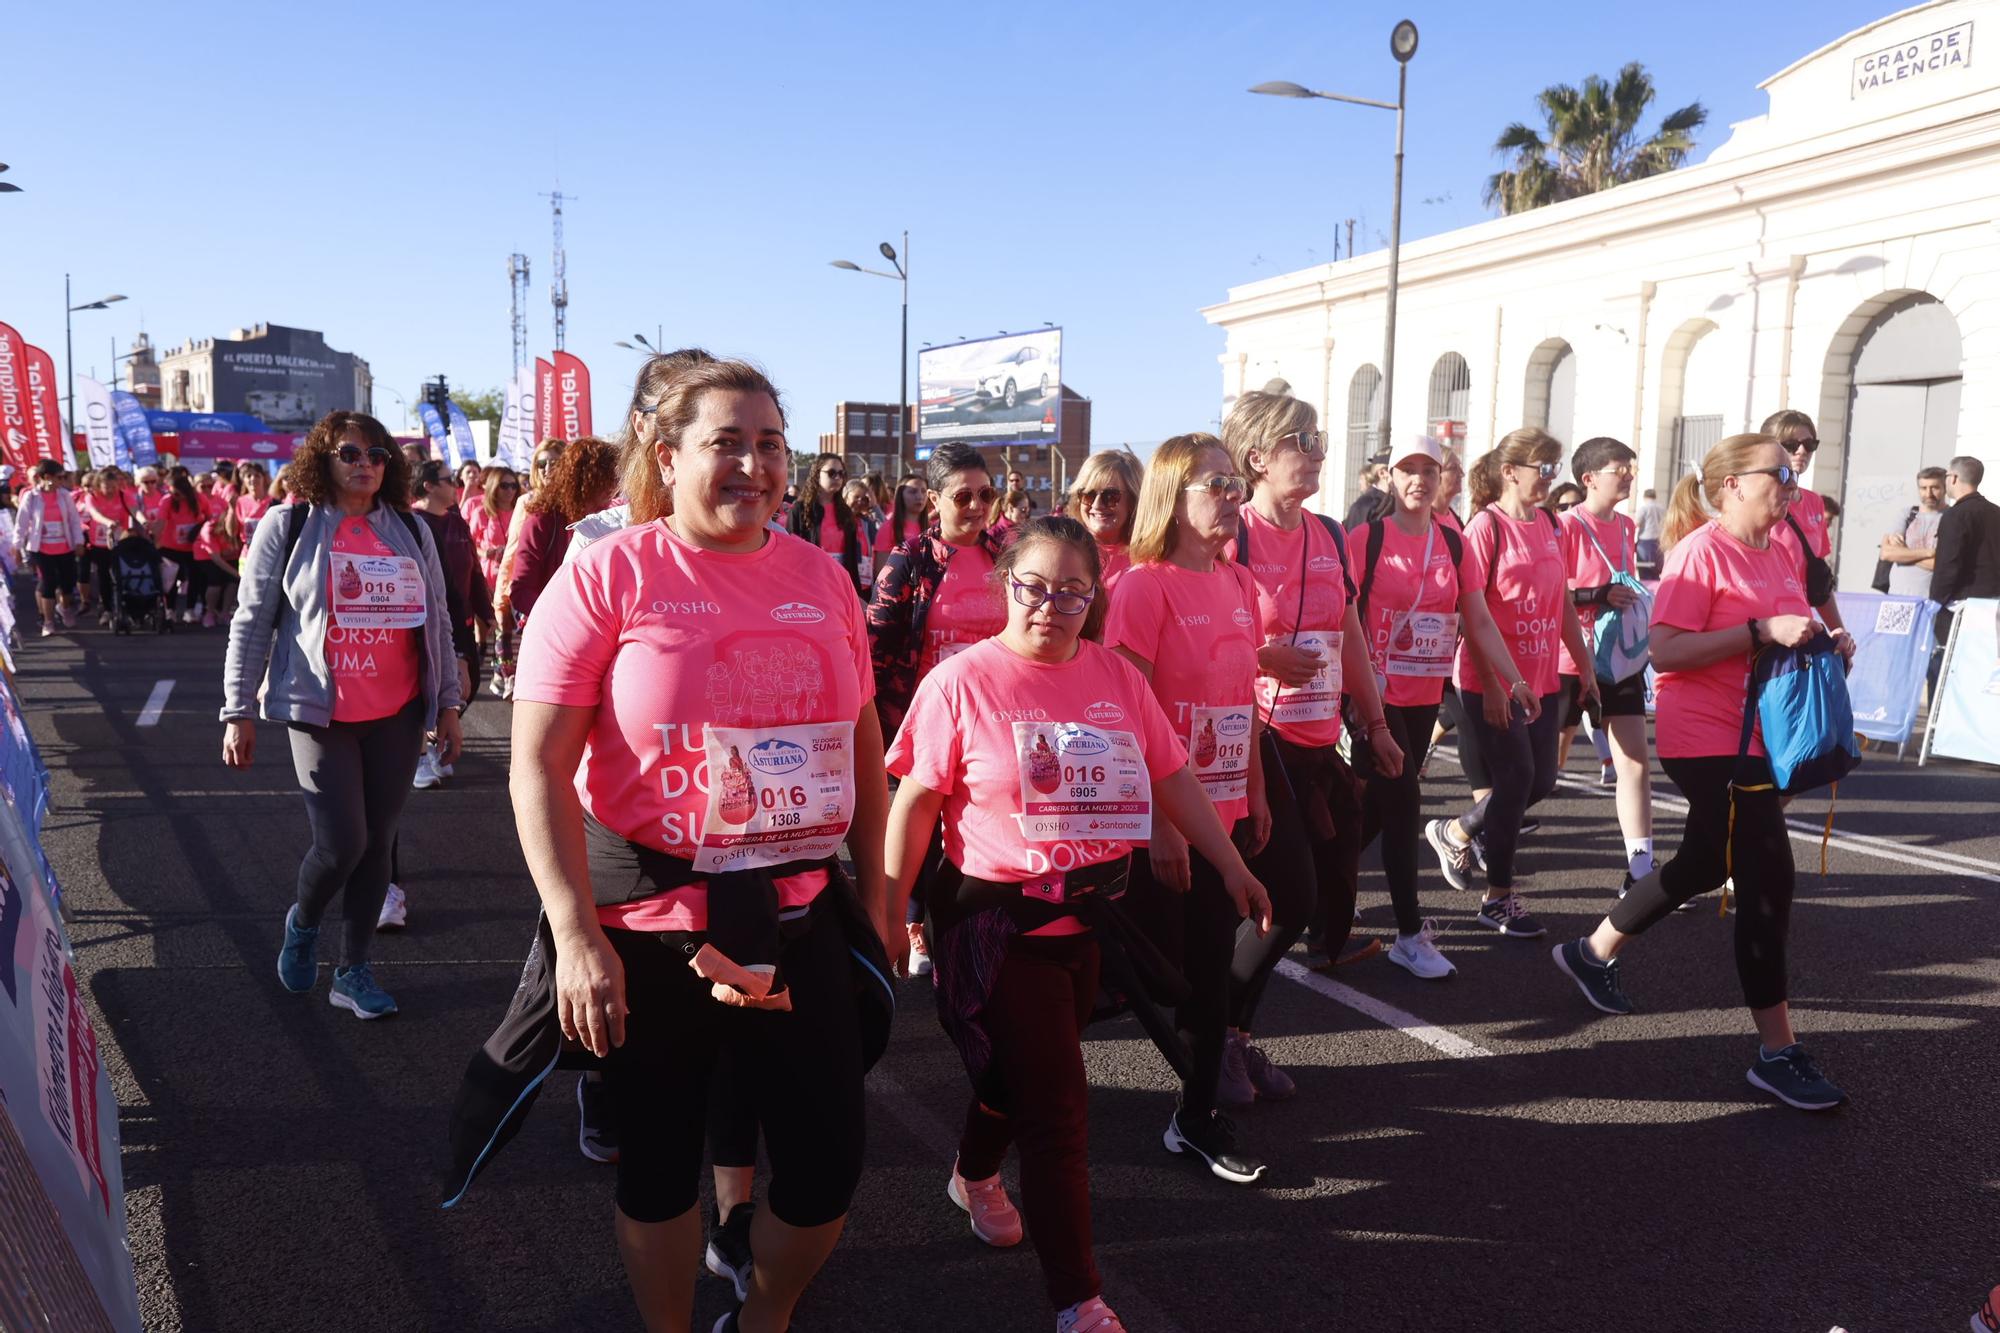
1196 929
1760 858
55 575
99 565
1394 807
800 1067
355 776
1521 768
1311 867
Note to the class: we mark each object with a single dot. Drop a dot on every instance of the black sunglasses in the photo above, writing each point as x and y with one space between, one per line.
1111 495
1783 472
352 455
1810 444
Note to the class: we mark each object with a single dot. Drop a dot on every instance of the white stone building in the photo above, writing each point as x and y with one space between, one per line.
1840 254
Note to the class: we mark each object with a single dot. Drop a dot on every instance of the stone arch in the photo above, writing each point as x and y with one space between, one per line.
1549 398
1690 421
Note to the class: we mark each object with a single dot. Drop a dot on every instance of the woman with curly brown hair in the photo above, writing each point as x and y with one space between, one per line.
583 480
342 617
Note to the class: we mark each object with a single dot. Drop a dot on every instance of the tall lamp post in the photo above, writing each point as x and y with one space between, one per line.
902 275
1402 45
639 343
69 352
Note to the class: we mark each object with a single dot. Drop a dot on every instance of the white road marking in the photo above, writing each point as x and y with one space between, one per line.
1442 1039
156 703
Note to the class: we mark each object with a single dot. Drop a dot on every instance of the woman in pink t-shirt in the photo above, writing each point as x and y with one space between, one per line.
909 516
1047 758
176 521
1806 526
252 499
1186 616
1729 588
694 702
1105 498
822 517
1513 556
110 516
1311 652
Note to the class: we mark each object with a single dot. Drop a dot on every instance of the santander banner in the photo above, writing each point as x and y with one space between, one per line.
15 441
44 409
545 402
572 397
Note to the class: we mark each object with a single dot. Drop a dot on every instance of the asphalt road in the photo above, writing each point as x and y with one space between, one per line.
1562 1171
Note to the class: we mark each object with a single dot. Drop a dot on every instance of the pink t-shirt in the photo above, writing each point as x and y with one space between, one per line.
1619 536
248 510
209 543
1809 512
1713 581
1112 562
212 504
664 639
55 526
1200 633
108 518
832 539
966 608
1400 600
960 739
1449 517
178 525
152 500
1520 565
374 670
888 539
1309 715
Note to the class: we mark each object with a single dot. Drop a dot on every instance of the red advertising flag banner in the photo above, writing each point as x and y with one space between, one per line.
44 408
545 402
15 440
572 397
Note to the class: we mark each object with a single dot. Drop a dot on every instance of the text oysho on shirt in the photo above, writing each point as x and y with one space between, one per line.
1713 581
1520 566
665 639
989 724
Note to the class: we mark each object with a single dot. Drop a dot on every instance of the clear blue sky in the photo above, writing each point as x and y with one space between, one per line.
365 169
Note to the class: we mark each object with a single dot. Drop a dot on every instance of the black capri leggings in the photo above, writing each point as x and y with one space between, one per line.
1521 768
1760 858
800 1067
1196 929
55 574
1394 807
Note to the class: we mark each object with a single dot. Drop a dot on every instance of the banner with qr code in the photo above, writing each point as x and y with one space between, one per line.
1965 716
1892 651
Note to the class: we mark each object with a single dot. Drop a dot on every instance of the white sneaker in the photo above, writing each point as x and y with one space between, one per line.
920 958
427 775
47 629
395 910
1418 954
1609 777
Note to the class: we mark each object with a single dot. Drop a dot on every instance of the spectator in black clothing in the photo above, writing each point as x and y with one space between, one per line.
1374 501
1967 563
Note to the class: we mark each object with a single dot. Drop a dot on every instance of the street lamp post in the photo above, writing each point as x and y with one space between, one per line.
69 354
902 275
1403 46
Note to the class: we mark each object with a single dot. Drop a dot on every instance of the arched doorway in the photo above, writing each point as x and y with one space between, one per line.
1898 363
1450 399
1550 401
1694 398
1364 416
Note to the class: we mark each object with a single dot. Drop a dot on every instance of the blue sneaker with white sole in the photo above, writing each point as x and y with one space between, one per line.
354 990
1795 1079
297 968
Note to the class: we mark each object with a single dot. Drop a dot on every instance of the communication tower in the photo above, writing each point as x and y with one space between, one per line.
558 286
517 280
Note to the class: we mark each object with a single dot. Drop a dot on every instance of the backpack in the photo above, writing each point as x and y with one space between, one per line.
1799 696
1880 583
1624 634
1454 545
295 528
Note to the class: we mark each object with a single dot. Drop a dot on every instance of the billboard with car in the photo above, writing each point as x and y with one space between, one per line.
992 391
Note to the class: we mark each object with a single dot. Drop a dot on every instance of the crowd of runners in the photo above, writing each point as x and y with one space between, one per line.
1122 757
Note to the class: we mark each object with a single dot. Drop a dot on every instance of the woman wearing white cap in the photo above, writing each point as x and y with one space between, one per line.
1414 606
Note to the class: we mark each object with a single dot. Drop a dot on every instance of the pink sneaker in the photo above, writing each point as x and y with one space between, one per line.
994 1219
1986 1319
920 958
1092 1316
208 620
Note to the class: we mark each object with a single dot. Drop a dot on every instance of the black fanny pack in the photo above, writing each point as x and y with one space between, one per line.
972 895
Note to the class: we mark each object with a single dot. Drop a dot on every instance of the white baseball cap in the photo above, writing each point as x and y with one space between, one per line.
1421 446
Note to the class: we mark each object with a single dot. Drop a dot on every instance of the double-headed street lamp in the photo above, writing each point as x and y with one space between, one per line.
8 187
1402 45
639 343
902 275
69 348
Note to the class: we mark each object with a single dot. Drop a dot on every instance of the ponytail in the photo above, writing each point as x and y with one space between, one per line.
1685 511
1482 483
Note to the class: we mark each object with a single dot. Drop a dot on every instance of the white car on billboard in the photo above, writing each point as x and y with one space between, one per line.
1023 370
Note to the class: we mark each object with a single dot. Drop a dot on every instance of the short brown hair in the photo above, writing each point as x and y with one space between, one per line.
1061 530
577 480
312 467
679 404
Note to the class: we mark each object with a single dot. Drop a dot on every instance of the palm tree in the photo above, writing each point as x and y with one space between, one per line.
1591 142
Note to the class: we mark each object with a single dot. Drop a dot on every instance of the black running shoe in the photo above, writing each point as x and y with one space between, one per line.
1598 981
1793 1078
594 1138
729 1248
1213 1139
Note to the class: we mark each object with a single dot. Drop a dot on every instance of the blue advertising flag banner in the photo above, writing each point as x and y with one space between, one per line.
135 434
464 449
174 423
1892 651
1965 716
435 428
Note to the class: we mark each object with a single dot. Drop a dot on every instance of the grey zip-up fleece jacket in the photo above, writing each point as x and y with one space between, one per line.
300 685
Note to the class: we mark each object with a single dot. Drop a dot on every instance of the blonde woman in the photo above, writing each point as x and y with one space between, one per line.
1105 499
506 628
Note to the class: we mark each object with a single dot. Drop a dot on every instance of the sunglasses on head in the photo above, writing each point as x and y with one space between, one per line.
353 455
1111 497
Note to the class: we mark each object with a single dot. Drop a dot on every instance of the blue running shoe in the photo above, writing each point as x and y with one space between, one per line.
354 990
1599 982
1793 1078
297 967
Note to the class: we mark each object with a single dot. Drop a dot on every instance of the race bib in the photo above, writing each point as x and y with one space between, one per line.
377 592
1422 643
1081 781
1219 748
776 794
54 531
1318 700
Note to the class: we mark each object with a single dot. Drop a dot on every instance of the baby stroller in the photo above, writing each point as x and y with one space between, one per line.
137 599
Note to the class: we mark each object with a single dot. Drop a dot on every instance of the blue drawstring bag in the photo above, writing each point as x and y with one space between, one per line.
1799 697
1624 633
